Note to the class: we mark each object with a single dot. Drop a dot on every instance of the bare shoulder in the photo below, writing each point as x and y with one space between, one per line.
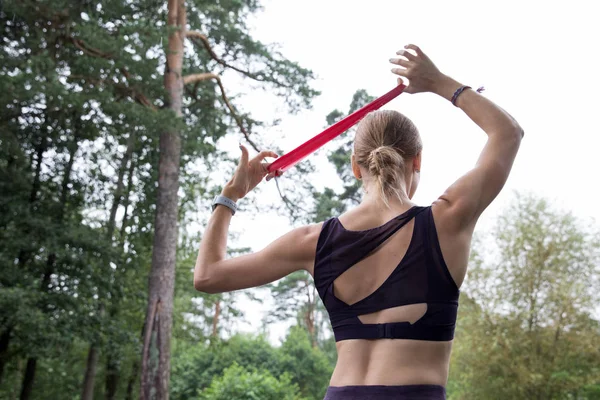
454 239
308 238
299 244
308 234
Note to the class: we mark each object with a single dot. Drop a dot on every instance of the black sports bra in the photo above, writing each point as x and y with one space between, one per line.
421 277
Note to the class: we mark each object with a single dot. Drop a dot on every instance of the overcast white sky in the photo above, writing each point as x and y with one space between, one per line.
537 59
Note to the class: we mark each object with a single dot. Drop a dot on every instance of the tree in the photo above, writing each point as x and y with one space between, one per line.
280 73
238 383
308 366
60 115
296 296
195 366
528 332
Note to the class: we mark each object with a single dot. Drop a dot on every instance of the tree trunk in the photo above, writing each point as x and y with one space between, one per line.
135 370
118 195
310 325
28 379
90 368
215 324
122 233
159 318
90 372
29 376
112 377
35 188
4 341
309 315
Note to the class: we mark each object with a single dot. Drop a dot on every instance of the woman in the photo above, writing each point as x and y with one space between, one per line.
388 271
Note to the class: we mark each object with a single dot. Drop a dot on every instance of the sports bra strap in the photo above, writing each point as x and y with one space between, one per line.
370 239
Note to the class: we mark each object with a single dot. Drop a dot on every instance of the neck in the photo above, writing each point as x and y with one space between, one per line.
373 199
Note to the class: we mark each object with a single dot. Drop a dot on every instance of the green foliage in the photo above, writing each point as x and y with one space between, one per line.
195 367
528 331
307 365
329 203
238 383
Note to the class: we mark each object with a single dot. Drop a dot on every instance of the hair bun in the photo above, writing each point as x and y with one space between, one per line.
384 158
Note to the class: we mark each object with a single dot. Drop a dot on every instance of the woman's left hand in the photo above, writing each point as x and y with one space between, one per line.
249 174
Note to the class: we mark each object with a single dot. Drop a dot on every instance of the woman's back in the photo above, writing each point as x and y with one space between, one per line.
390 297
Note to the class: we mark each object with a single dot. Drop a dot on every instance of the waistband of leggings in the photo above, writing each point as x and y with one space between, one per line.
401 389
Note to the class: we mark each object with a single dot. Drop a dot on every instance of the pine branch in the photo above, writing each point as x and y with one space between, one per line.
194 36
292 207
140 97
194 78
134 94
94 52
90 51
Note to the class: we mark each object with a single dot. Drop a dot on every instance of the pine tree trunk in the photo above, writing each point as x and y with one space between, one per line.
310 325
29 376
159 319
27 385
35 188
4 341
90 372
135 370
215 324
126 200
112 378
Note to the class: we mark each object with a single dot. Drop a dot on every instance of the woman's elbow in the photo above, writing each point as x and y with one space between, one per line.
519 131
204 284
513 133
205 287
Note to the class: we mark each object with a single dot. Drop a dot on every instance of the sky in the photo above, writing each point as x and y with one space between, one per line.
539 60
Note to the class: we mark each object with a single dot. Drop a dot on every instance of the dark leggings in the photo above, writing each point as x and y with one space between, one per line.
407 392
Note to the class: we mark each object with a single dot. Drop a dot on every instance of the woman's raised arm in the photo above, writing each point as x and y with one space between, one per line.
464 201
293 251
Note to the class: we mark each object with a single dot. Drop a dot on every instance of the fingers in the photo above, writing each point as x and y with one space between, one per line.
274 174
244 158
264 154
408 89
405 53
400 71
415 48
401 62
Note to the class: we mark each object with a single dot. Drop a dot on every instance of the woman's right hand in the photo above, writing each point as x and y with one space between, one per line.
421 72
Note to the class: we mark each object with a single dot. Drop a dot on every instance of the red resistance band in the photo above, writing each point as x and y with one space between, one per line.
301 152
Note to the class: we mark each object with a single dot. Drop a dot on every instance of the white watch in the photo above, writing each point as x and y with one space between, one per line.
224 201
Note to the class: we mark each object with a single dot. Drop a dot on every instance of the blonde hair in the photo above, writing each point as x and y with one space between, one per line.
384 142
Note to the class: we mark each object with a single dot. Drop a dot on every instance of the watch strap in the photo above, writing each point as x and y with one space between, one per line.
224 201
